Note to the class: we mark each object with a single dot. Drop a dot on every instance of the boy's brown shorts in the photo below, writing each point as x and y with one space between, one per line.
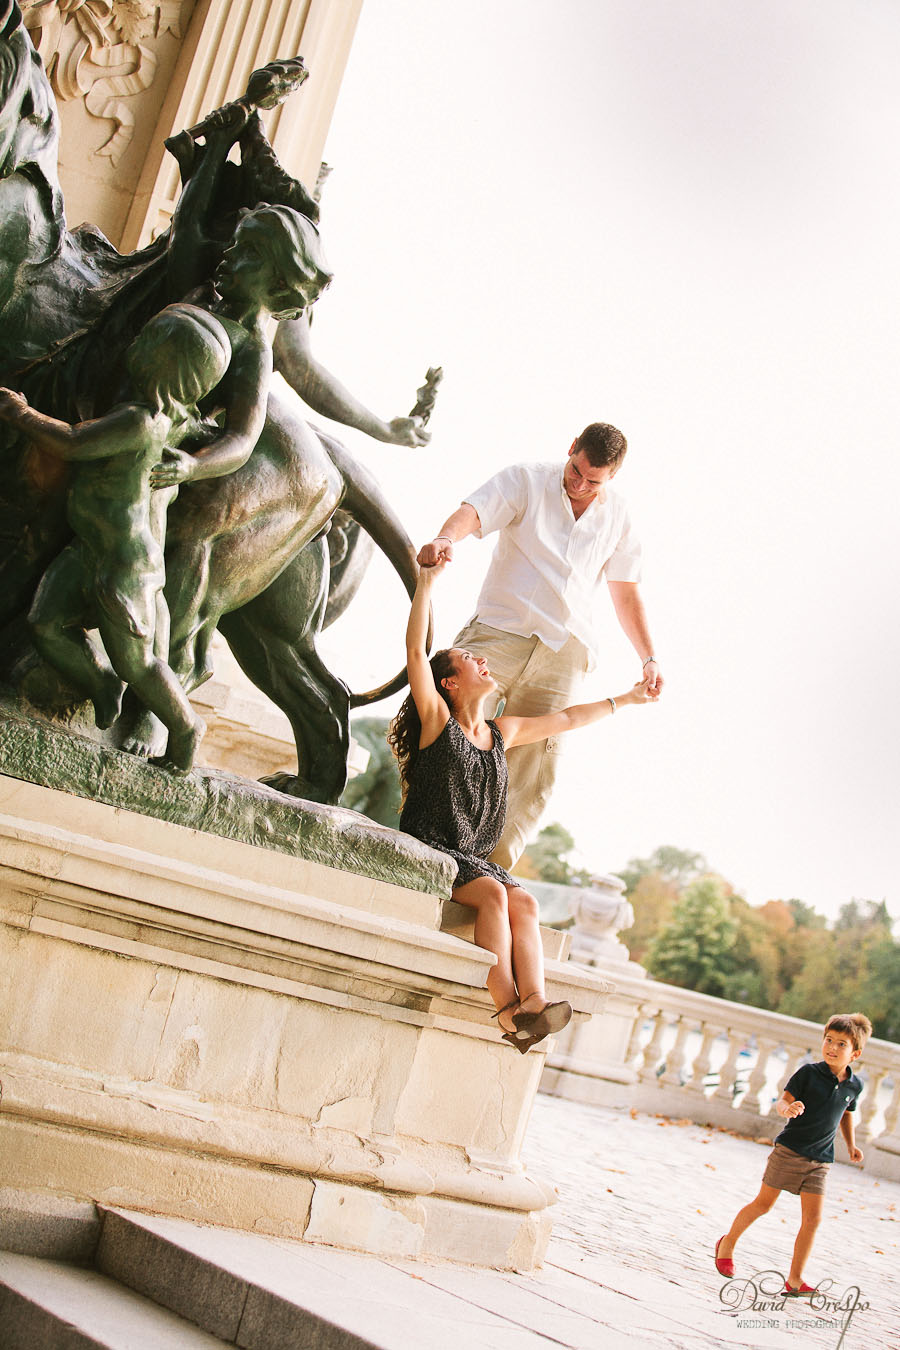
790 1171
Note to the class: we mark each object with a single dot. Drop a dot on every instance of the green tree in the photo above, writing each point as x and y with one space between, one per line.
376 791
878 995
693 950
814 993
653 900
753 966
674 865
547 858
838 965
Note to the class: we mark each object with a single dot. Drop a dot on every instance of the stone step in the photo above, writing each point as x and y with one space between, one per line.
259 1293
47 1305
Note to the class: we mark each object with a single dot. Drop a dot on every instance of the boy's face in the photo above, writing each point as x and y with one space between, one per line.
838 1051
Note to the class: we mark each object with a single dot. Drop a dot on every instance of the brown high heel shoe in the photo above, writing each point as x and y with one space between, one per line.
551 1019
500 1011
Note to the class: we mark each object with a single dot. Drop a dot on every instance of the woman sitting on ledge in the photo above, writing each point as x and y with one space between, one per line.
453 773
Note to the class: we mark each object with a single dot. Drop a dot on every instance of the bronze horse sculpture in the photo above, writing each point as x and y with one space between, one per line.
264 540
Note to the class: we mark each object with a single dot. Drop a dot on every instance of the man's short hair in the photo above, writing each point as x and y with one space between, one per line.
602 444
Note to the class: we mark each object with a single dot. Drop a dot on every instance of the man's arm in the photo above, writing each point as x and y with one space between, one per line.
460 525
856 1154
630 612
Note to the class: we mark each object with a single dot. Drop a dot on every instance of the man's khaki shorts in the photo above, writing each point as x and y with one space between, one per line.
790 1171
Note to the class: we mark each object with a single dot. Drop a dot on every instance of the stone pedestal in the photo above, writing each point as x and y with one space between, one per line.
199 1027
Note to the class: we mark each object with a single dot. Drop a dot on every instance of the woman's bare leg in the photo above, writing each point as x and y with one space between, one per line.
492 932
527 949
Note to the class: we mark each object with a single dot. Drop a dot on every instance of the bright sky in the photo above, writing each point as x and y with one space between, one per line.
681 218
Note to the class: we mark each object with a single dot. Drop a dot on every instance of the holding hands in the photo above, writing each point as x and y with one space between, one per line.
642 692
439 551
651 671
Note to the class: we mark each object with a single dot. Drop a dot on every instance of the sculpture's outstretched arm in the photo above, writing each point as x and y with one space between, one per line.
99 439
325 394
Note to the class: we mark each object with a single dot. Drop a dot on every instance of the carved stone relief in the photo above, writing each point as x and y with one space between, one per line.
102 53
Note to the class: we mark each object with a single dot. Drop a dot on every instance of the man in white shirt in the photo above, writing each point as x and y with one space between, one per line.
562 531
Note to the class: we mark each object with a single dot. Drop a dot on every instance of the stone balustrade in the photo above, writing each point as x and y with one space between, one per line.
668 1050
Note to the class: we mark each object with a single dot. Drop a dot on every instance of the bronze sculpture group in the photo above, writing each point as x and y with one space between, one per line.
154 487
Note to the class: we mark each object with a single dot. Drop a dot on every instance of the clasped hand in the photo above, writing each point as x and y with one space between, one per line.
176 466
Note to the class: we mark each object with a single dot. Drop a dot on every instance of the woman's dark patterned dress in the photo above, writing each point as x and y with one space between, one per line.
457 801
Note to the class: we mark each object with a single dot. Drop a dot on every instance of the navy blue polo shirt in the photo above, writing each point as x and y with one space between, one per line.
825 1098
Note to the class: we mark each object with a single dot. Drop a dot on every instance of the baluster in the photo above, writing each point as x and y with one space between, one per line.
893 1110
758 1076
795 1054
637 1027
869 1105
728 1071
701 1063
653 1052
675 1057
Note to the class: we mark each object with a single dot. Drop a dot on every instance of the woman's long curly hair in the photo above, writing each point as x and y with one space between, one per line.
405 730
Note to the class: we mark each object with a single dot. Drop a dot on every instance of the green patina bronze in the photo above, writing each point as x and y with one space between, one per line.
36 750
265 521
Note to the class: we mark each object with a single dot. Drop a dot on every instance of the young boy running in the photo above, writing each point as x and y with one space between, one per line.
816 1100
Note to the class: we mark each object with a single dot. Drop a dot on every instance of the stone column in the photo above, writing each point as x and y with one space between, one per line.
224 42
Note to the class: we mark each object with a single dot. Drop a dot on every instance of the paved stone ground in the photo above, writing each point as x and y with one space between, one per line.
630 1264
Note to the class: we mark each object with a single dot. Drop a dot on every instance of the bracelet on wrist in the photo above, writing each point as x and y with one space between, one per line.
647 662
612 703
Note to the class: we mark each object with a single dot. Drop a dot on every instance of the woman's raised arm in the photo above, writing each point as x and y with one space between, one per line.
433 711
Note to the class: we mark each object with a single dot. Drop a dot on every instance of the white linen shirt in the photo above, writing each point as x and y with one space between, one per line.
547 568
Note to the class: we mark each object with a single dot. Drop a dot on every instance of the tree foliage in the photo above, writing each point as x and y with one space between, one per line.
548 858
693 950
674 865
692 930
376 791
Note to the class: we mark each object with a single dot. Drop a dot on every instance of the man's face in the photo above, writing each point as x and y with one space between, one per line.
582 482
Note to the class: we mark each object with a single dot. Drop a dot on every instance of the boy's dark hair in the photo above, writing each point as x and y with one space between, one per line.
855 1025
602 444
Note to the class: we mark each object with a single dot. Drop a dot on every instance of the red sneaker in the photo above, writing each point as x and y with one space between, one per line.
804 1290
725 1266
